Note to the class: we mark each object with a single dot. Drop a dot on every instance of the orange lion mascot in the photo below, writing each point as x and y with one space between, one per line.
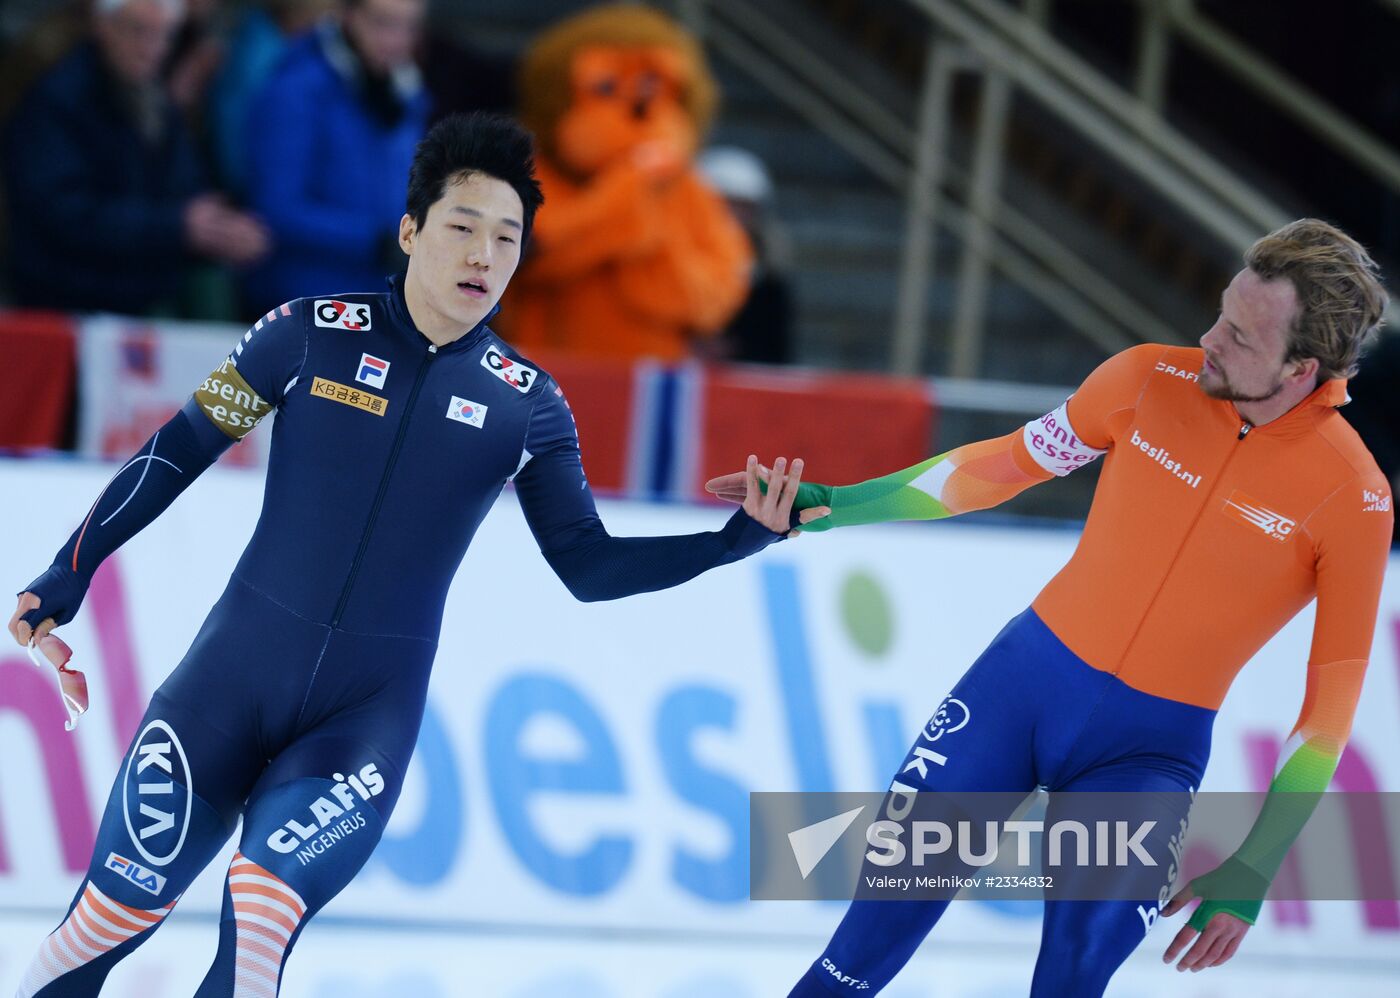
632 254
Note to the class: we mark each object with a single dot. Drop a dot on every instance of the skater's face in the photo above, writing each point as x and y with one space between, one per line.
1247 352
467 249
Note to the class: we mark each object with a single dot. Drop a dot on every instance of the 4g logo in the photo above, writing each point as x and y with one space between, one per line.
333 314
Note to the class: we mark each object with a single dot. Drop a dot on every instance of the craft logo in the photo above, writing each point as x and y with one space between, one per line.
1177 372
466 411
846 979
515 374
333 314
373 371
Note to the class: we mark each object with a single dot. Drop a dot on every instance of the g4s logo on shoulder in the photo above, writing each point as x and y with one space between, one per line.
513 373
333 314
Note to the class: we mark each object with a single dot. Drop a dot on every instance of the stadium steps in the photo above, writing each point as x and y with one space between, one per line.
1106 200
845 228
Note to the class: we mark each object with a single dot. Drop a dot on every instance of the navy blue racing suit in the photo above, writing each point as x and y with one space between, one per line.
299 703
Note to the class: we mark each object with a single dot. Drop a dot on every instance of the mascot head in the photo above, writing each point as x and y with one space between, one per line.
600 84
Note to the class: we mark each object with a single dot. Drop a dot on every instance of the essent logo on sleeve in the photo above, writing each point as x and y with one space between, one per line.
1054 444
230 402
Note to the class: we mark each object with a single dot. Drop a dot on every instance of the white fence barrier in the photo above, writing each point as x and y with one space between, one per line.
579 791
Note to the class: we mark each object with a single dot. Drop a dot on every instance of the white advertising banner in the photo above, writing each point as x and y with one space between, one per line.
137 372
579 794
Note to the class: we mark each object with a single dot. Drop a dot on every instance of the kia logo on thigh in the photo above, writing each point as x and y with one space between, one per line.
158 794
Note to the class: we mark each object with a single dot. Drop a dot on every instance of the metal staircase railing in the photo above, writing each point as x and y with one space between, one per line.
1181 19
1010 49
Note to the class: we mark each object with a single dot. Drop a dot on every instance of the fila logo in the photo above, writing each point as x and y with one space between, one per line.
373 371
467 411
515 374
333 314
147 880
1374 502
1241 507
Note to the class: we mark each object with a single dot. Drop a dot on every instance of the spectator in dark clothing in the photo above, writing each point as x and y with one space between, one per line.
330 142
761 331
463 77
28 54
106 196
195 56
258 43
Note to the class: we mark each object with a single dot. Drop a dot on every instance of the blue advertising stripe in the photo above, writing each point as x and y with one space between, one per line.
663 450
795 679
641 432
427 853
889 741
687 429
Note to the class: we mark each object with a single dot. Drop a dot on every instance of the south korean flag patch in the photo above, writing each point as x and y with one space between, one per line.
467 411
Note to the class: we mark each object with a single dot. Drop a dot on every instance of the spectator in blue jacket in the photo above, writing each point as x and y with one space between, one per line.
330 142
259 42
107 200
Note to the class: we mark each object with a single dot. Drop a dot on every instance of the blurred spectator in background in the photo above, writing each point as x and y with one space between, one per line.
195 56
106 197
633 254
460 75
259 40
329 144
32 47
761 331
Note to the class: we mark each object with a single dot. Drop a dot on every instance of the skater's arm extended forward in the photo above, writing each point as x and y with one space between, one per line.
989 472
240 392
593 564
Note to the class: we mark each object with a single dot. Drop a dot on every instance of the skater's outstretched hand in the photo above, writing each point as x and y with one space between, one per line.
20 629
1214 946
